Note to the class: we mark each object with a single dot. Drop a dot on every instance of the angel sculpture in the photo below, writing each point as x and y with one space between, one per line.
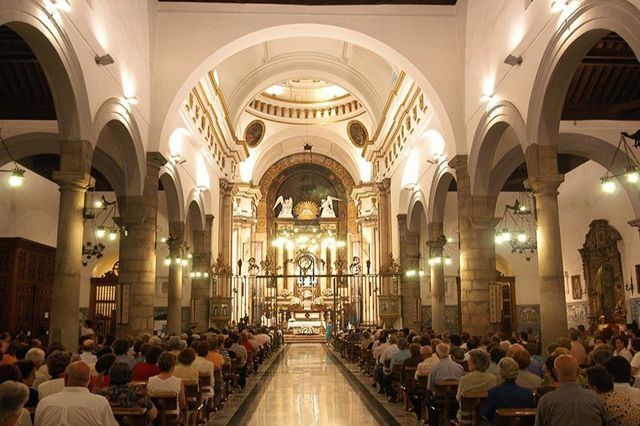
287 207
327 206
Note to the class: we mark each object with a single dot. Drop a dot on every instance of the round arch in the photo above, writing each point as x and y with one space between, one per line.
170 179
416 213
589 22
601 152
54 50
303 30
488 133
115 116
438 195
195 212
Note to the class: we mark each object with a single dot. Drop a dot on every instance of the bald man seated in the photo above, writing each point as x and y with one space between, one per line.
569 404
75 405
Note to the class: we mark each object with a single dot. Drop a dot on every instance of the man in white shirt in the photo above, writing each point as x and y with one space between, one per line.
87 354
75 405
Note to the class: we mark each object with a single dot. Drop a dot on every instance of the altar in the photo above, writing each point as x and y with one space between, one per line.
306 322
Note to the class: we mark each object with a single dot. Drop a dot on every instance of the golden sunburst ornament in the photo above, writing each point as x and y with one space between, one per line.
306 210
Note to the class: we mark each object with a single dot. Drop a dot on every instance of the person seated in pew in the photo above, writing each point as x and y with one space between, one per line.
185 370
445 369
618 407
148 368
418 392
570 404
121 393
201 363
398 358
478 379
415 357
525 378
101 378
508 394
166 381
13 396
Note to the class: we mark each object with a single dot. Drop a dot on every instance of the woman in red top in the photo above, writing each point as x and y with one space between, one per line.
244 341
103 365
143 370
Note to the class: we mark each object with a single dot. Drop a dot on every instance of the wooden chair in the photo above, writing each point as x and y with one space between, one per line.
515 416
396 376
443 401
195 407
207 392
167 405
407 382
470 405
131 416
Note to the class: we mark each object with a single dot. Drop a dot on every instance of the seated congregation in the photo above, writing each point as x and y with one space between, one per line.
591 377
178 379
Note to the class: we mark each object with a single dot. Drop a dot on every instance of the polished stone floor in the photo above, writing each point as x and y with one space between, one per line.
309 389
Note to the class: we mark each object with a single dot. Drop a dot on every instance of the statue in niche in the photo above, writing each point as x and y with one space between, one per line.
287 207
326 207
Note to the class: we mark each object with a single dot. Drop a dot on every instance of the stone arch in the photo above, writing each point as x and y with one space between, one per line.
302 30
416 214
195 212
114 121
438 195
601 152
170 179
28 144
490 130
295 160
589 22
503 169
54 50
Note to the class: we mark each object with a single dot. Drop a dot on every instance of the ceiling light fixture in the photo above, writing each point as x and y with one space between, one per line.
513 60
63 5
131 100
559 5
486 97
631 171
16 178
104 60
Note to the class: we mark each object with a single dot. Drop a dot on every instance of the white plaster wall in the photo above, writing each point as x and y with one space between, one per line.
30 211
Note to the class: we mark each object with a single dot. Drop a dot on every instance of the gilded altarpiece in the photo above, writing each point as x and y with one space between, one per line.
602 268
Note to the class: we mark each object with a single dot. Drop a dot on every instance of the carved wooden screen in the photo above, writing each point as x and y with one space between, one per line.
102 303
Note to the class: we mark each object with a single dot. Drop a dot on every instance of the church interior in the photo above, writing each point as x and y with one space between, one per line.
318 169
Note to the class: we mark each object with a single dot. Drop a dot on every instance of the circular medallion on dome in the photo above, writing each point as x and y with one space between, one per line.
254 133
357 133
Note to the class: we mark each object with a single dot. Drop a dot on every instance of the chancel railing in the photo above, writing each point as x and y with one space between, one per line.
305 304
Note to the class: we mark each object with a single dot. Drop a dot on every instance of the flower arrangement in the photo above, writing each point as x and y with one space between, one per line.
295 301
306 330
318 301
286 293
327 292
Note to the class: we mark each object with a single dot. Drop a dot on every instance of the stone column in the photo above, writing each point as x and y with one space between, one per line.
73 178
138 252
476 223
174 300
384 229
544 181
409 261
226 226
201 287
436 244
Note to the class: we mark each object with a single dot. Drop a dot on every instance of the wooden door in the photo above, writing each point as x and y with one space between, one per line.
509 320
102 303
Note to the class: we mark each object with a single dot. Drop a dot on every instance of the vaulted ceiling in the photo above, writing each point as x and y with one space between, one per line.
24 91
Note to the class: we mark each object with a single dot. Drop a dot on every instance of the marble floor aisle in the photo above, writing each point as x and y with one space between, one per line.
308 389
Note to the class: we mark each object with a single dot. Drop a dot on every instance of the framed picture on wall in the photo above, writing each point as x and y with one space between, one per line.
638 278
576 287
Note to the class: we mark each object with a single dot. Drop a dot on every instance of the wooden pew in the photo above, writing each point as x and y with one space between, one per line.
443 401
131 416
515 416
470 405
407 382
167 405
207 392
195 407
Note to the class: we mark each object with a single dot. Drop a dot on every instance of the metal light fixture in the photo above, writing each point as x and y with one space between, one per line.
517 227
104 60
16 177
631 171
98 211
513 60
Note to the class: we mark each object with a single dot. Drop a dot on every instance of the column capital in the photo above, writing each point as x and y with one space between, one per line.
384 186
156 159
72 181
459 162
544 185
437 244
227 188
483 222
176 234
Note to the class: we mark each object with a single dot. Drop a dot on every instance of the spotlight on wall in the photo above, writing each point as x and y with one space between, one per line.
201 188
486 97
559 5
101 232
131 100
104 60
63 5
513 60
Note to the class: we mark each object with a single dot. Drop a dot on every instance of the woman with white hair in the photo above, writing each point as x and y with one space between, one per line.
478 379
13 396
